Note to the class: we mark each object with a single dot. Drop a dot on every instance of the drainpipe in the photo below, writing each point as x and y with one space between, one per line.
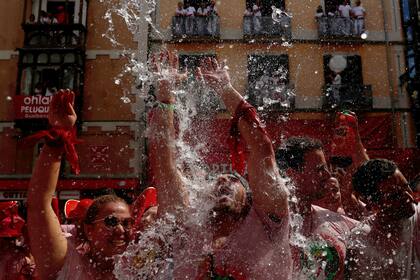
390 77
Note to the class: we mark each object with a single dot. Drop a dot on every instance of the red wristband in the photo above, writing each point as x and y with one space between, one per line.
60 137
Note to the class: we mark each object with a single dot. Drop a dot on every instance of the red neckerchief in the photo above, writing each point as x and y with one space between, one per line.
61 137
235 141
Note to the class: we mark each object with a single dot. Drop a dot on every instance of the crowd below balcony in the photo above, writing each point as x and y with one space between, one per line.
345 20
201 21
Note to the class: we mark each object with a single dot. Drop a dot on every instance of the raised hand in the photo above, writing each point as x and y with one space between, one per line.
164 66
214 75
61 113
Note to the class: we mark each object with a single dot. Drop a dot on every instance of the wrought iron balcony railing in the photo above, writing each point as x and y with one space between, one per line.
54 35
272 98
336 27
266 26
183 26
347 96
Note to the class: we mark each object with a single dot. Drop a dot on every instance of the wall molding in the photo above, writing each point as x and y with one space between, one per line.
8 54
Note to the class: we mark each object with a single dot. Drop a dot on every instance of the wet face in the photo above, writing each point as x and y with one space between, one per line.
229 194
332 196
311 181
395 197
111 231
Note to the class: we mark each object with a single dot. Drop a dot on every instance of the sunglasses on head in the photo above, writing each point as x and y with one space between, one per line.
112 221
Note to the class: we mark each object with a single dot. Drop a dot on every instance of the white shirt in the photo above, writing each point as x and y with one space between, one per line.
345 10
374 262
256 10
358 11
190 11
180 12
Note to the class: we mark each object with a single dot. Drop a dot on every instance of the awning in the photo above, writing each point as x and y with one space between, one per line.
74 184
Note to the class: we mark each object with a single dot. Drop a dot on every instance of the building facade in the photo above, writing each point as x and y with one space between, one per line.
296 68
39 55
306 47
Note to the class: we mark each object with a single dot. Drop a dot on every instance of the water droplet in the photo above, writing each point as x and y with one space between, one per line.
390 261
8 98
388 235
117 81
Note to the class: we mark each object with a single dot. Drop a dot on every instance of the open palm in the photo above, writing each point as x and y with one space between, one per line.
214 75
61 113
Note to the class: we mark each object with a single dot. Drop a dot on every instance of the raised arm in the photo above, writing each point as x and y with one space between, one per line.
166 177
352 205
269 192
48 245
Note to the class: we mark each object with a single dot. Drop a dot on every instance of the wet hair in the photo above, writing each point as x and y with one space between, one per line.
292 153
248 192
97 204
370 174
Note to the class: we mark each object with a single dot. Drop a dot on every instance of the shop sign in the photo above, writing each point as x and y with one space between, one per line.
66 195
13 195
32 107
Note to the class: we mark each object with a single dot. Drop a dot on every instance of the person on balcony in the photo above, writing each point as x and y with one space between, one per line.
44 18
257 20
345 24
345 9
319 13
212 17
202 18
61 15
248 20
32 19
359 14
180 11
190 20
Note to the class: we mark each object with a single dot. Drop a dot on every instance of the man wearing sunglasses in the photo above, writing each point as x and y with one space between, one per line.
249 235
391 249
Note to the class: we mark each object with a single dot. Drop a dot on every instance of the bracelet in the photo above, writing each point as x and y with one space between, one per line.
165 106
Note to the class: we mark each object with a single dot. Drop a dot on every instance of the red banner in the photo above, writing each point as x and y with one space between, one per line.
32 106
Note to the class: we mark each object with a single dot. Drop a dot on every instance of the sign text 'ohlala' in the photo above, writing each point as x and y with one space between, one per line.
32 107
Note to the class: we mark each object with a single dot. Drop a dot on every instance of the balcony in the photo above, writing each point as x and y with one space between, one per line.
196 27
351 97
280 98
266 26
337 28
54 35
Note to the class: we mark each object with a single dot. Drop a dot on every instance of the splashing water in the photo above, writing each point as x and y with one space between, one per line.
278 14
150 257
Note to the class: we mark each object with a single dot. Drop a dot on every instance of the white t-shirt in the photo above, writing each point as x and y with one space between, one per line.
256 249
190 11
402 263
202 11
358 11
344 10
180 12
256 10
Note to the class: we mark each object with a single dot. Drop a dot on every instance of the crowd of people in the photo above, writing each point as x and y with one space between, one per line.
354 15
358 220
202 20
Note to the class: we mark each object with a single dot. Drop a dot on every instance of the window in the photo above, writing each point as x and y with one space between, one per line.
266 5
268 81
351 75
56 7
43 73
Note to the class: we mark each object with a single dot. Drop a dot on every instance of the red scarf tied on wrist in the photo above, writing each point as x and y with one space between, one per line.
60 137
236 144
